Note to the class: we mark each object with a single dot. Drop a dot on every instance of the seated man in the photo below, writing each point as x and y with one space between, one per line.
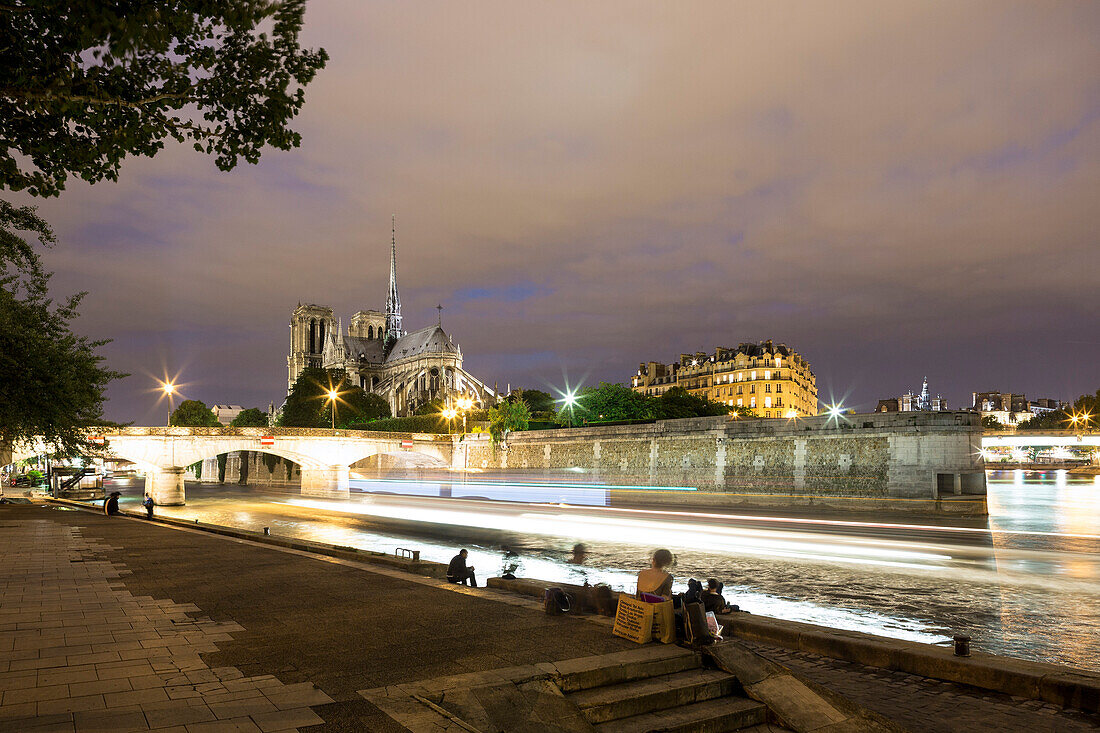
457 572
712 598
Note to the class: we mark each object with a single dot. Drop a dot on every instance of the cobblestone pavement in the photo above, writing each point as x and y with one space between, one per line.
281 618
81 653
930 706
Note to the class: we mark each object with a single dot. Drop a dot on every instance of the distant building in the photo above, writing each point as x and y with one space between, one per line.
225 414
1010 408
910 402
406 369
772 379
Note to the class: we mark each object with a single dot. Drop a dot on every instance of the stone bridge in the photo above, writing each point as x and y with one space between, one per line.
325 456
1045 439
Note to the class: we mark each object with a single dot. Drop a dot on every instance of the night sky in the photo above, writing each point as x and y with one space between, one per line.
893 189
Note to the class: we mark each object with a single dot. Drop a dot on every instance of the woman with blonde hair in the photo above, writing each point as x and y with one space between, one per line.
656 580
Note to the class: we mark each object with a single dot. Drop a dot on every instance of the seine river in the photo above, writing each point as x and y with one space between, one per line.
1025 583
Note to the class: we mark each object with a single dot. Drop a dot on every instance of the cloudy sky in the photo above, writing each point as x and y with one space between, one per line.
893 189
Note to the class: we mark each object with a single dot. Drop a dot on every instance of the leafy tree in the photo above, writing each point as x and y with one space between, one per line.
1085 405
611 401
51 380
990 422
678 402
508 417
536 399
431 407
194 414
308 406
253 417
86 84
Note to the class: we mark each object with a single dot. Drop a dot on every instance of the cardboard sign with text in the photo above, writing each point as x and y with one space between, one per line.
633 620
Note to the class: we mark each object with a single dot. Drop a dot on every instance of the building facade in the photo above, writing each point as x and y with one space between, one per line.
910 402
407 369
1009 408
771 379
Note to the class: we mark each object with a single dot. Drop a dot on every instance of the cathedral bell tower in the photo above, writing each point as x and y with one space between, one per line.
393 300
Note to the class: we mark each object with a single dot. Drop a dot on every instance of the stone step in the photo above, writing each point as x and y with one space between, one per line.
612 702
720 715
610 669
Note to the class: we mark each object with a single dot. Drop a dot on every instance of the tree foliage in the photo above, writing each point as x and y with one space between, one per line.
678 402
1086 404
536 399
508 417
87 83
307 405
253 417
612 402
990 422
194 414
51 380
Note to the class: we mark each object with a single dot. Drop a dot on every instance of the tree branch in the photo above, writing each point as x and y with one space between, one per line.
14 8
16 93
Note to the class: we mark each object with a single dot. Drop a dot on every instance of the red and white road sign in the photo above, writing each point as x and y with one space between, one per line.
267 441
406 444
97 439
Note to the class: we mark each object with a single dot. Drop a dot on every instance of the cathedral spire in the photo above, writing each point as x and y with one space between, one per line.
393 300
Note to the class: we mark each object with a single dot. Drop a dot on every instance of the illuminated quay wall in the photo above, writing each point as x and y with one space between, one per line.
920 461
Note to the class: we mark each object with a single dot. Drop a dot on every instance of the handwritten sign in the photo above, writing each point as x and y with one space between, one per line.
633 620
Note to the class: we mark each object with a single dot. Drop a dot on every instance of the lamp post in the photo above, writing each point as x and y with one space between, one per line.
331 395
569 400
464 404
169 390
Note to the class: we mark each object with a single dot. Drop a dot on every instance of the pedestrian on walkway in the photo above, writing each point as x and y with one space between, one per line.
457 572
110 507
147 502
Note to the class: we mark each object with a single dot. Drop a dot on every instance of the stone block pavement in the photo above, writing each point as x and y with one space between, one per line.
117 624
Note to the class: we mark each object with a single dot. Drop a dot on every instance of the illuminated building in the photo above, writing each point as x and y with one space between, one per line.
771 379
910 402
407 369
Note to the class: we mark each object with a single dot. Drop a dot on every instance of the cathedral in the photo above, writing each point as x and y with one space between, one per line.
407 369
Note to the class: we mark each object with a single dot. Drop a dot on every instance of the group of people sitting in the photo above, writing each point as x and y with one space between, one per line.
655 584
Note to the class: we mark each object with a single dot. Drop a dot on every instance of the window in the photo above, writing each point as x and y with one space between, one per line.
768 374
752 402
767 402
779 388
739 403
767 414
752 389
767 387
753 376
740 389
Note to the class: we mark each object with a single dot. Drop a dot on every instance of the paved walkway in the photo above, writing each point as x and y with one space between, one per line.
114 624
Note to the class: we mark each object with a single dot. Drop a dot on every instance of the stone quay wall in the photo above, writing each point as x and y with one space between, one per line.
923 461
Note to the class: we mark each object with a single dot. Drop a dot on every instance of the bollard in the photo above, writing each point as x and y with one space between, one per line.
416 555
196 521
267 531
962 645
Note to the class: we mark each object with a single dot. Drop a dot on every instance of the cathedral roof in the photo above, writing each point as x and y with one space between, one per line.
430 340
364 348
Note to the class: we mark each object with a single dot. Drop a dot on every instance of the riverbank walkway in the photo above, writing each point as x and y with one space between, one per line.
117 624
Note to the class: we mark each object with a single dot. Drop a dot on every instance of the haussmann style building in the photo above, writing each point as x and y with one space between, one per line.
771 379
407 369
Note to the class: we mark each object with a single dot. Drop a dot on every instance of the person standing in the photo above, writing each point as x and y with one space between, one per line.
147 502
457 572
110 507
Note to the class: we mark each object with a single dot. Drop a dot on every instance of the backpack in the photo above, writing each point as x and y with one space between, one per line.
555 602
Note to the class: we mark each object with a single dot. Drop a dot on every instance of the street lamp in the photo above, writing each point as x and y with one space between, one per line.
464 404
169 390
331 395
569 400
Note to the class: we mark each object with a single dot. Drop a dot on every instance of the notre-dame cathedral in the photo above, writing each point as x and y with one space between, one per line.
407 369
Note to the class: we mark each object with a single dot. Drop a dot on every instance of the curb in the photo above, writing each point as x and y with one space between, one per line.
1068 687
